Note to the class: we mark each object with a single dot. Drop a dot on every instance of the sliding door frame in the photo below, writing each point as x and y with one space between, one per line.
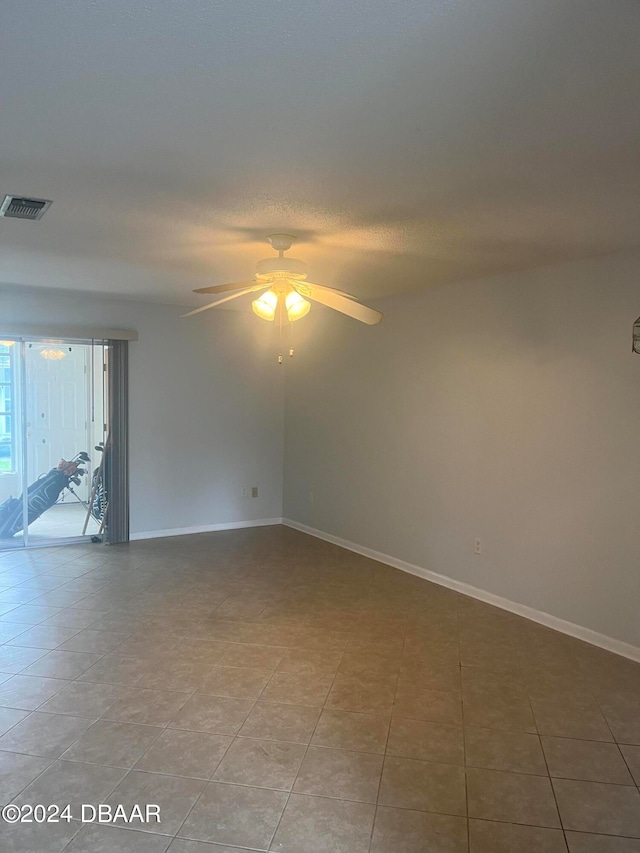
115 429
117 529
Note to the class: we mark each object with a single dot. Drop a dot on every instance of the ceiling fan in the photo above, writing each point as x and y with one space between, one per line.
285 286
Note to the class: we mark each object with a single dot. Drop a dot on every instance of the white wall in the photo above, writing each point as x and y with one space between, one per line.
506 409
206 406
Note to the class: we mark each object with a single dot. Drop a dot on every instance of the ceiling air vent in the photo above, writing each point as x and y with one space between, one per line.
18 207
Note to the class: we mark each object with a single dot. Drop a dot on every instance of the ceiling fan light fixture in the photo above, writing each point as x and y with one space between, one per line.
296 306
284 282
52 354
266 305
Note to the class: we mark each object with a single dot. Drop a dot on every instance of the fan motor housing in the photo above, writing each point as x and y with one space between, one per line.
269 268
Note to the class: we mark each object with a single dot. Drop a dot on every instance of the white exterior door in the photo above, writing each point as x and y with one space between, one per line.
57 408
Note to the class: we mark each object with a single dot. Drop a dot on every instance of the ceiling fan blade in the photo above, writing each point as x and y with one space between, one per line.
346 306
301 285
226 299
225 288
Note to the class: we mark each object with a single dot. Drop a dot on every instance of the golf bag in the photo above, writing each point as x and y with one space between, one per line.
100 501
41 495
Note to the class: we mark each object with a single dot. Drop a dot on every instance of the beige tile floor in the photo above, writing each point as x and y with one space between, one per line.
272 692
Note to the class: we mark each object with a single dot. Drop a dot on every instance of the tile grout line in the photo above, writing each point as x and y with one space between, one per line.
275 832
464 736
544 755
386 742
622 755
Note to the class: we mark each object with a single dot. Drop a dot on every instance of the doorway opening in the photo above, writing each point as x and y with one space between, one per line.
57 446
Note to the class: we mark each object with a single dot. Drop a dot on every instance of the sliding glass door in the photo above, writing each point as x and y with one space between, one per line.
55 446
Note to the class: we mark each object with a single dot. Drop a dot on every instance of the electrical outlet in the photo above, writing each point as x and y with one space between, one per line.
310 497
254 491
243 492
477 546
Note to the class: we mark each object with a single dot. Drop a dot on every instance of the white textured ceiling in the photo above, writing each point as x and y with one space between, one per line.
407 143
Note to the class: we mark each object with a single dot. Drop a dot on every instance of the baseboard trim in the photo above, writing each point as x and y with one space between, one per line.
204 528
618 647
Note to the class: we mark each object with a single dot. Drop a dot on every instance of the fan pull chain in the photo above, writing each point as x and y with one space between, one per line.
280 307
